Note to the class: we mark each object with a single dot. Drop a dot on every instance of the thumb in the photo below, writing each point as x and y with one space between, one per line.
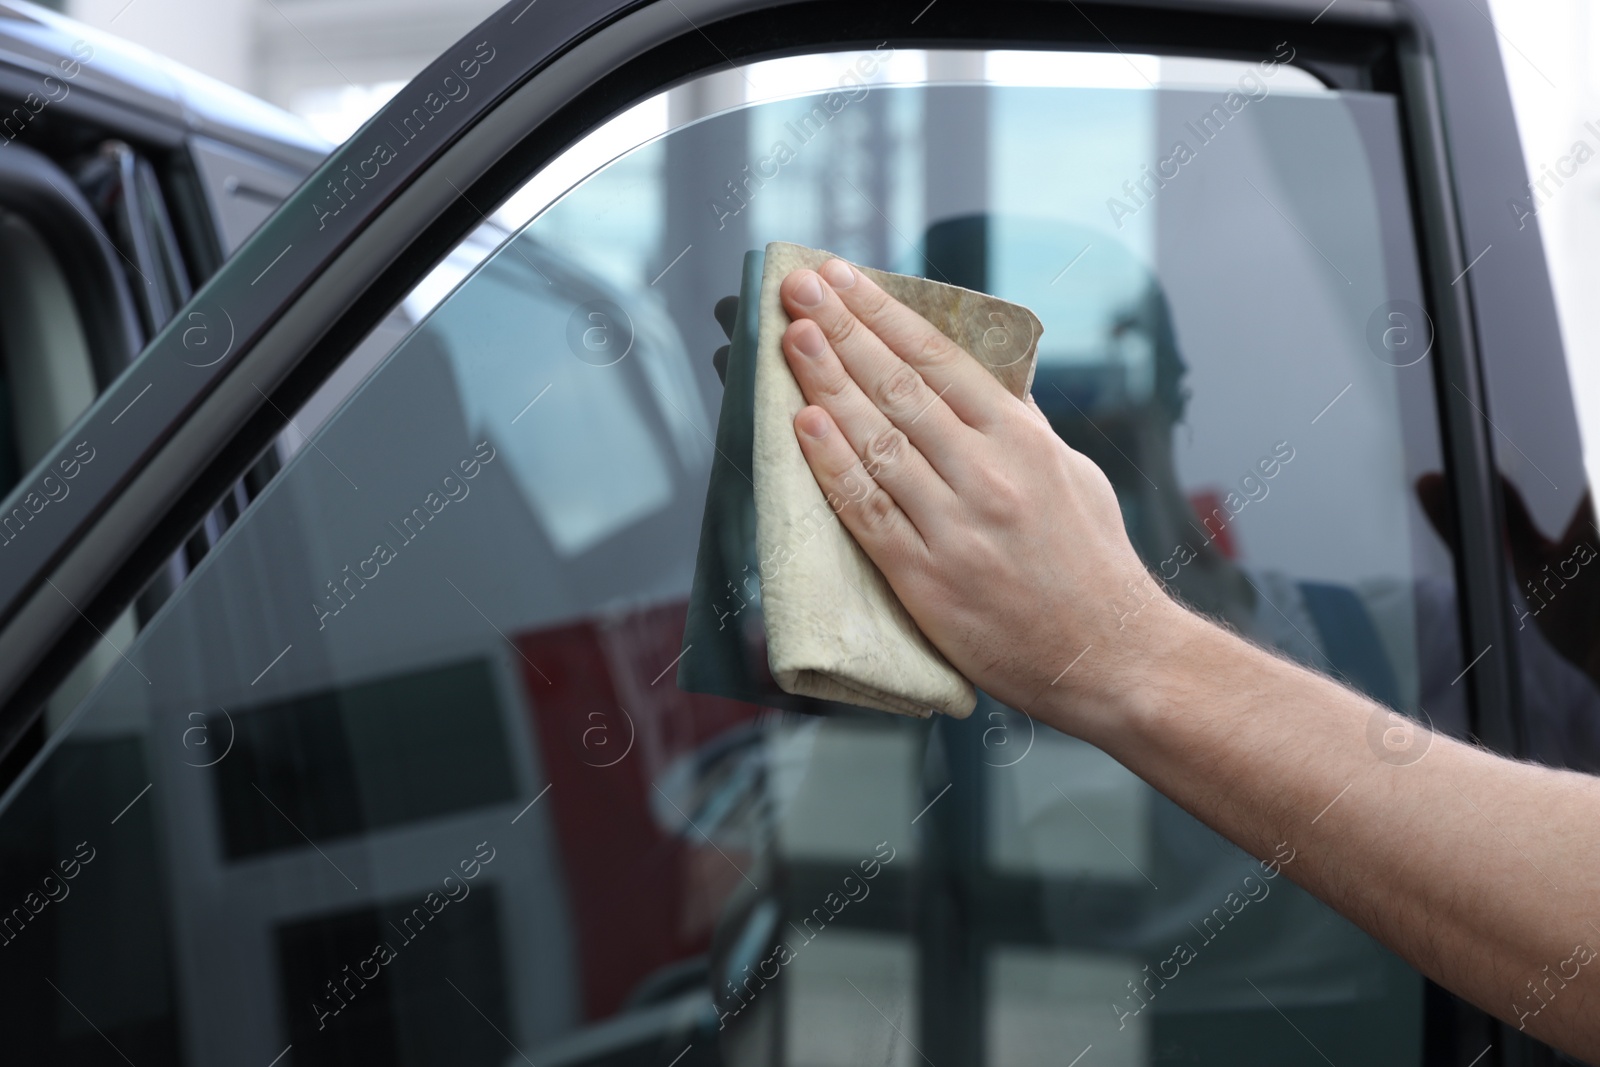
1582 515
1528 546
1033 406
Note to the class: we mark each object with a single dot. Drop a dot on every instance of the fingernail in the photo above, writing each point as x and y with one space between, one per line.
840 274
812 423
808 291
808 339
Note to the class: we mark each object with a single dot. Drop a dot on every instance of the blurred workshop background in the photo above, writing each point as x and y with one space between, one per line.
334 62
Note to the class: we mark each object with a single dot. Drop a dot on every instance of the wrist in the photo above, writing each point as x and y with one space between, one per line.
1131 677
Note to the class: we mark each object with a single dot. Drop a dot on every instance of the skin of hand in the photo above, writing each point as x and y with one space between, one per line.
962 494
1009 550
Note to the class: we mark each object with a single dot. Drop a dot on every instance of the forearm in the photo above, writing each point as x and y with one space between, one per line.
1007 547
1481 872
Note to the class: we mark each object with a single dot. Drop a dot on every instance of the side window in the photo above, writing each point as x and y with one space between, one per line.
402 771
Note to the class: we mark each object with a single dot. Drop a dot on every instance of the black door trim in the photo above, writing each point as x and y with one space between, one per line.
42 193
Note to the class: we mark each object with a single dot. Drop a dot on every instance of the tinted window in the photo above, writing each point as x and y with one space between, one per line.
403 770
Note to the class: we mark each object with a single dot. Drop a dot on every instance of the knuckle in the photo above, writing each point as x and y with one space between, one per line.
930 350
877 508
968 546
885 446
851 490
833 385
899 388
871 300
843 328
1001 496
997 493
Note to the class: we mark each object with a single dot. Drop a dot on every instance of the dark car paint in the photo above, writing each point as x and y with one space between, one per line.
1497 336
68 89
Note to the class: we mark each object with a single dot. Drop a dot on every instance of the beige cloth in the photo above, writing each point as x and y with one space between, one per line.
835 630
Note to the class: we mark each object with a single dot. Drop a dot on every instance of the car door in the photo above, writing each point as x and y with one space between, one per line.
417 765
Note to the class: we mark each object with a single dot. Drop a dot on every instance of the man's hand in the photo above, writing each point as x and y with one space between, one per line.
1008 549
1006 546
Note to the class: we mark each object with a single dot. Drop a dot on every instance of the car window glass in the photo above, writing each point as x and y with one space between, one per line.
402 772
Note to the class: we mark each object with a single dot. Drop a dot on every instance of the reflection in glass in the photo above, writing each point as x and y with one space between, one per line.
473 653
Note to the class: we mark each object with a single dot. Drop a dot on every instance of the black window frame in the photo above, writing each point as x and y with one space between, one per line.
34 187
173 453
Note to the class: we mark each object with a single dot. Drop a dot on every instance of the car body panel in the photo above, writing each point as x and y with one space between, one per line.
140 84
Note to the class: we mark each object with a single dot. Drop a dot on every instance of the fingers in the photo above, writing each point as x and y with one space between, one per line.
726 312
877 337
857 365
884 449
871 515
